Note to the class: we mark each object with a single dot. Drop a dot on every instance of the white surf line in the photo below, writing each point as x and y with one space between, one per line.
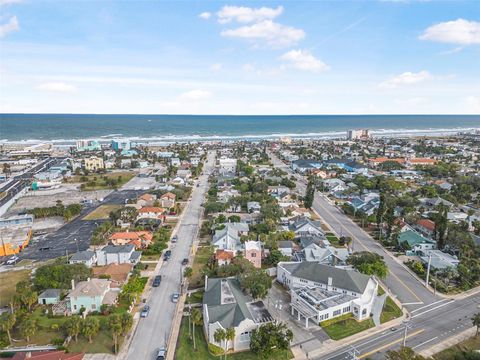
425 342
435 308
423 307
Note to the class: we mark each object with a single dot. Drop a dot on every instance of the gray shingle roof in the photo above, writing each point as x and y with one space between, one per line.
226 302
345 279
115 249
50 293
82 256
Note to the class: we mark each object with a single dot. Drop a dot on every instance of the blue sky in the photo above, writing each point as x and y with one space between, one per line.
290 57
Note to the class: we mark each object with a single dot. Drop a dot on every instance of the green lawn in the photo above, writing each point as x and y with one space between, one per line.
195 298
344 326
50 328
464 346
380 291
201 258
100 183
185 351
390 311
8 282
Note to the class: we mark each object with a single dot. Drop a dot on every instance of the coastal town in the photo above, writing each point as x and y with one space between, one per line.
355 247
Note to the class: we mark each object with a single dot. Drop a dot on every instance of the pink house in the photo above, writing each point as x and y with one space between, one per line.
253 253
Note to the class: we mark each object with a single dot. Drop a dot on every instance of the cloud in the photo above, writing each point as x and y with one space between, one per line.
406 78
57 87
195 95
205 15
216 67
304 60
8 2
243 14
272 33
459 32
11 25
473 103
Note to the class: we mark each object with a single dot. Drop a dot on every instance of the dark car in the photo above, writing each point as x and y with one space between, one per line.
185 261
145 311
157 280
167 255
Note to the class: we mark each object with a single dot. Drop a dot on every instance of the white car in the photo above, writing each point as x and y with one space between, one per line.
13 260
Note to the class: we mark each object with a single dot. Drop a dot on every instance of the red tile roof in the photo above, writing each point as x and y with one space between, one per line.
427 224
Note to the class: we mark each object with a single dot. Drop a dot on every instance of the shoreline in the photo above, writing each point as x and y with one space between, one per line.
184 138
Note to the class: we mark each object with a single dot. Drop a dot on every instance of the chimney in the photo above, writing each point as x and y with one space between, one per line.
73 284
329 284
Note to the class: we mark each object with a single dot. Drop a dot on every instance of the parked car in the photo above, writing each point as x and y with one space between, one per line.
12 261
185 261
161 354
175 297
157 280
145 311
174 239
167 255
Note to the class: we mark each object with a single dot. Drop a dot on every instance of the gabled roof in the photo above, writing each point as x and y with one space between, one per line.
115 249
85 255
412 238
91 287
50 293
427 224
226 302
345 279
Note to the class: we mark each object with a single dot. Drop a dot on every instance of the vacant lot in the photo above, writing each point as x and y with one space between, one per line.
8 281
102 181
102 212
201 258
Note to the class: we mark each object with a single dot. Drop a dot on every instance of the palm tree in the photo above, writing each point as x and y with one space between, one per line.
7 322
115 325
196 320
28 328
220 336
229 336
73 326
188 272
476 322
127 322
90 327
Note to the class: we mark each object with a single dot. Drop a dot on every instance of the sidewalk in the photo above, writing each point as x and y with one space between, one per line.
330 346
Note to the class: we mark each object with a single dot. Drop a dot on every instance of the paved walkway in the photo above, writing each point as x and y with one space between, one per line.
377 308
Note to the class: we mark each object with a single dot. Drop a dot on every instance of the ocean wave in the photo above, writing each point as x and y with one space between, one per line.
171 138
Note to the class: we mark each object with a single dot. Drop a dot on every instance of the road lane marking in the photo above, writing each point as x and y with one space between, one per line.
358 240
390 344
423 307
425 342
413 303
435 308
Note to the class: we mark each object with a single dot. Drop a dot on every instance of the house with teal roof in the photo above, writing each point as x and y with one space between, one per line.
413 238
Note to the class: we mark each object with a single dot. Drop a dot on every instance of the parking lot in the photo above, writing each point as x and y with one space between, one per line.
141 182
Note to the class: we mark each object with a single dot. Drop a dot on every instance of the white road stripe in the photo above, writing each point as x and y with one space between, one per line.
437 307
423 307
425 342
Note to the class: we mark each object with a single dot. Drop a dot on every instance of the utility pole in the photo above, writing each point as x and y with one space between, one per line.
428 270
407 326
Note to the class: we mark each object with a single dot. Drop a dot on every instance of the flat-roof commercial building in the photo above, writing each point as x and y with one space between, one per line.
15 233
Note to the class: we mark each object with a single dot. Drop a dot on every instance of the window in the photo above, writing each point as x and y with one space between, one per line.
254 255
337 312
326 316
346 309
94 306
74 307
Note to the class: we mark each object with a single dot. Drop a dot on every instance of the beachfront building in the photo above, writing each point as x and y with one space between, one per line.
88 145
358 134
225 306
320 292
119 145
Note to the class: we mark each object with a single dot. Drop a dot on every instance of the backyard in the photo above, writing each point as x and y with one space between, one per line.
185 351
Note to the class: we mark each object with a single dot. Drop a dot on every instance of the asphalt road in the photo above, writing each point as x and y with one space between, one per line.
22 181
152 332
75 235
432 318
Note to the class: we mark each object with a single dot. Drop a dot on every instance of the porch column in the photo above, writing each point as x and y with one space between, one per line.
306 322
298 317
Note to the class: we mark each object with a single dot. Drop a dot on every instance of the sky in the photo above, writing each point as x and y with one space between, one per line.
249 57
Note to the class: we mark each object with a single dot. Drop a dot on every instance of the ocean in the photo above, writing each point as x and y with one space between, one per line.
66 128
